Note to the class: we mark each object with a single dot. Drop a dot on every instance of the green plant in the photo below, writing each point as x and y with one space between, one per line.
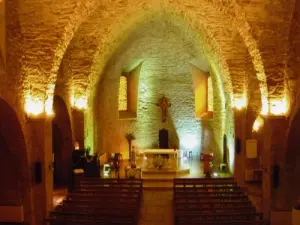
130 136
87 151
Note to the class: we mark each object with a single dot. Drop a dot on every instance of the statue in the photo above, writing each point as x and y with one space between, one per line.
164 105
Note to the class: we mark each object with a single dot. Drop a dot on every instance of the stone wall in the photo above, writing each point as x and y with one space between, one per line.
165 71
2 29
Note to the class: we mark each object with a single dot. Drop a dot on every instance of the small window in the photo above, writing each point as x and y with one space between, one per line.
203 91
123 94
210 95
128 93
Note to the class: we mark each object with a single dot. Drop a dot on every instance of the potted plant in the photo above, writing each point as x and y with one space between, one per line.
129 137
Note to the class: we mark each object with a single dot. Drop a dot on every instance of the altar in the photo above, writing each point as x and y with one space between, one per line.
162 161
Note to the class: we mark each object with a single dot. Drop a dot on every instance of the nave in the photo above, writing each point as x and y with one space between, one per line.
124 201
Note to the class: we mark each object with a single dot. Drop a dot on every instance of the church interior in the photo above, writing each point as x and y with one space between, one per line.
150 112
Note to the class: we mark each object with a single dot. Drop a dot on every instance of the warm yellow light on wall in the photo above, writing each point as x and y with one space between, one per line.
240 103
278 107
258 124
34 106
80 103
123 99
49 106
210 95
49 100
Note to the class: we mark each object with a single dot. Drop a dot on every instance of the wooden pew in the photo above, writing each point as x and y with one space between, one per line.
124 217
212 201
236 222
217 204
90 206
72 221
206 188
211 194
208 208
100 201
185 217
212 198
204 182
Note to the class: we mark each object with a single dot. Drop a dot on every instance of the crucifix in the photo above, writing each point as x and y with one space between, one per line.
164 105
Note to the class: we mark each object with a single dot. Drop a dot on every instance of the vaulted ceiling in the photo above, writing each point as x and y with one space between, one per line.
244 40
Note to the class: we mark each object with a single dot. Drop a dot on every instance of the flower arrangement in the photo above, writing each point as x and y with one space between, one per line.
131 172
158 161
129 137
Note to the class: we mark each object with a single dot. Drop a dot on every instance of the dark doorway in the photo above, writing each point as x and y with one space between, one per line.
61 143
293 161
14 170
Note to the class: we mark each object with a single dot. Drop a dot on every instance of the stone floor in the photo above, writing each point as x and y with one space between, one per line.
157 208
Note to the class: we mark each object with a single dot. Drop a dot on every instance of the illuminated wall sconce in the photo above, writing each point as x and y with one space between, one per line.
239 103
79 103
278 107
258 124
76 145
35 107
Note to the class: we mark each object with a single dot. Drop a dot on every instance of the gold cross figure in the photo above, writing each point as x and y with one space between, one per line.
164 105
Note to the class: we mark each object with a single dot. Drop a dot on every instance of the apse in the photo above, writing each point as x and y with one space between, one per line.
159 52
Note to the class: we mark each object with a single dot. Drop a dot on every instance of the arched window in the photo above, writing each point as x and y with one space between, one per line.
203 90
123 94
128 92
210 95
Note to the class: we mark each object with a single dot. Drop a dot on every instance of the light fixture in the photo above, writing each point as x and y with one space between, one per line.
35 106
79 102
258 124
76 145
278 107
240 103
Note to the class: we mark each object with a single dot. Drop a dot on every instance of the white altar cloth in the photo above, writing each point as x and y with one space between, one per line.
160 151
150 153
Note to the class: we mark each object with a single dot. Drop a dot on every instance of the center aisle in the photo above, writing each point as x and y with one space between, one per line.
157 207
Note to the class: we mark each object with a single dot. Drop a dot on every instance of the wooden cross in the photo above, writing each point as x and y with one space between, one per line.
164 105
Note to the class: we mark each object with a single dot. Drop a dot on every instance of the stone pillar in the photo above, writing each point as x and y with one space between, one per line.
274 134
39 132
240 133
78 126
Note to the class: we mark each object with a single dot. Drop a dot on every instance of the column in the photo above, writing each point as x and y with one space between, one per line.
273 137
39 131
240 151
78 126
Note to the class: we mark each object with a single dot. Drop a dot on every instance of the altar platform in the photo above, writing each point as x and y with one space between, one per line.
163 161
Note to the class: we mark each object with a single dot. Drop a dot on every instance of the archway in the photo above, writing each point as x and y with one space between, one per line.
62 143
14 171
293 160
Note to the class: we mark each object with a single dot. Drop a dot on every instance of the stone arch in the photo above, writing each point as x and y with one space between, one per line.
293 160
121 55
293 58
2 66
78 12
62 142
14 168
